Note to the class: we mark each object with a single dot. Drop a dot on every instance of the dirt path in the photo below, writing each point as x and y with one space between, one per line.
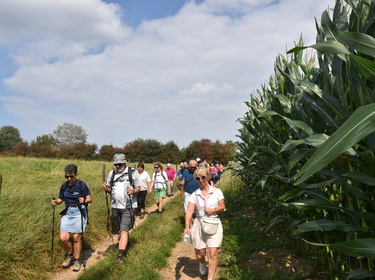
96 253
182 264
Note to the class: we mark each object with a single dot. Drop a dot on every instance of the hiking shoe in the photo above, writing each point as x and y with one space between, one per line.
67 261
203 268
119 258
142 215
76 265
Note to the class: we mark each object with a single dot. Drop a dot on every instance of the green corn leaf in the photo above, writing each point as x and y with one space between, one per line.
311 204
332 47
361 42
366 67
358 248
292 123
326 225
360 124
360 273
361 177
314 141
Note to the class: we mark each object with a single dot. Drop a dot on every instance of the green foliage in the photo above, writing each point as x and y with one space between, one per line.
9 137
307 142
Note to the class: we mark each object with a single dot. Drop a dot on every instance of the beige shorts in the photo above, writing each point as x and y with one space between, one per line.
201 240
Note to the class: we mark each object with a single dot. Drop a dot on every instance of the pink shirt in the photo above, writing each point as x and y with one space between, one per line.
171 173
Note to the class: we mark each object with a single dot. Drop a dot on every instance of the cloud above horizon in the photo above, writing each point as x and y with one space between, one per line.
182 77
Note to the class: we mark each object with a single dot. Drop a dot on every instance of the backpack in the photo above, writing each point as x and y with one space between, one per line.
79 188
161 175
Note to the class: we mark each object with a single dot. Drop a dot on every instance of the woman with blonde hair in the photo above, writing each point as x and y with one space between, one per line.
206 233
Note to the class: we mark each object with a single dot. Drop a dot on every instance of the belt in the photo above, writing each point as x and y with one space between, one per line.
73 205
188 192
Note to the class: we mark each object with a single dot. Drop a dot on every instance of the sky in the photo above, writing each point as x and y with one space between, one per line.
170 70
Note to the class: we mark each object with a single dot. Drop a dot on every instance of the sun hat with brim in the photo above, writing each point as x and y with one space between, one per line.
119 158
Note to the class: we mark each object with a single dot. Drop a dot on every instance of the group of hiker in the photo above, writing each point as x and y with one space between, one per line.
127 189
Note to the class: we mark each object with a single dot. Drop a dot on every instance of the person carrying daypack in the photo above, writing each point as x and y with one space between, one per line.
123 185
74 219
160 184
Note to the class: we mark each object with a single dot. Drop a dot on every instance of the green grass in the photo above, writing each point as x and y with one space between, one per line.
26 213
26 225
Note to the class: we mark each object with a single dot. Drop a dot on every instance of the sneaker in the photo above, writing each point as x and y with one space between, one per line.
142 215
76 265
119 258
67 261
203 268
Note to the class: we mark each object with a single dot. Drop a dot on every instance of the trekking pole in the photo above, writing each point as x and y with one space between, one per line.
53 231
109 228
83 250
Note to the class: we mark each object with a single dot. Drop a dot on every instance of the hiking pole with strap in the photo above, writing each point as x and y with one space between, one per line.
109 228
82 249
53 231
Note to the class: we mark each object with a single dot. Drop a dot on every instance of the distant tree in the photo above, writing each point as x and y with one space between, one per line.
70 134
77 151
107 151
149 150
47 140
21 149
170 153
9 137
210 151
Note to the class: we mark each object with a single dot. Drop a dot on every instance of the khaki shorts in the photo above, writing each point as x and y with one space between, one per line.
201 240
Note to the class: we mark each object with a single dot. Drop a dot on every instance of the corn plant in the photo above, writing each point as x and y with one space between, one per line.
307 141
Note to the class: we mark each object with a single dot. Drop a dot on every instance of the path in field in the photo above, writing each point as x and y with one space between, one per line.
96 253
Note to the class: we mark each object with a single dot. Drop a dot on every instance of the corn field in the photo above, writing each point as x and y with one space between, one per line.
307 142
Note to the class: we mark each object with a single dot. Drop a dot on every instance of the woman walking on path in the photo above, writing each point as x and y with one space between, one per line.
207 202
76 195
145 184
160 184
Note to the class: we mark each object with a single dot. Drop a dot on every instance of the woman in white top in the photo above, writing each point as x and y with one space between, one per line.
145 184
160 184
207 202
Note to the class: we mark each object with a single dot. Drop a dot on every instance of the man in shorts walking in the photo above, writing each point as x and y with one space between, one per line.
122 183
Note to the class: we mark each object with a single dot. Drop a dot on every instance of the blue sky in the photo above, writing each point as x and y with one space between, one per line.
162 69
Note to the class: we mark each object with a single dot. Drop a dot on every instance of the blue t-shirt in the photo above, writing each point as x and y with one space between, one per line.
190 184
70 194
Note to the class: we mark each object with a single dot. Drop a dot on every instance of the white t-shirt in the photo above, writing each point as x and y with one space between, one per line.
214 195
119 197
160 181
144 178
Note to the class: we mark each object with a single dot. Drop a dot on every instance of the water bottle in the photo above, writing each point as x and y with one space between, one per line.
186 238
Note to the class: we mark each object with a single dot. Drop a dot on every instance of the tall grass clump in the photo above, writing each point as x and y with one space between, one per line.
307 141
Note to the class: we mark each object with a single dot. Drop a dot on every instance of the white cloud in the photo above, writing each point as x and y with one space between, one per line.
179 78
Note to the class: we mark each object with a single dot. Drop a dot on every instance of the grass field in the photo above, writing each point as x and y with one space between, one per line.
26 213
26 229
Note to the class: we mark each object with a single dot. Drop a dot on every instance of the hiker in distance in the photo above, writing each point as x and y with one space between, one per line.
76 196
145 184
187 182
160 184
206 234
123 185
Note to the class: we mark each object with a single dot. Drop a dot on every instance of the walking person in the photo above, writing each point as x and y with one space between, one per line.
145 184
171 172
160 184
76 196
187 182
206 233
122 183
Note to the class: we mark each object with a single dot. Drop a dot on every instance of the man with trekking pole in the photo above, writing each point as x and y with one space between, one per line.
76 196
123 185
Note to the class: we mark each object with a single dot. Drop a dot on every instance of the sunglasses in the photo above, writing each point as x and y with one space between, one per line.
156 167
199 178
192 167
118 164
69 176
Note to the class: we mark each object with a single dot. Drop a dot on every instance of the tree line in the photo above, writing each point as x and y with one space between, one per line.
69 141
